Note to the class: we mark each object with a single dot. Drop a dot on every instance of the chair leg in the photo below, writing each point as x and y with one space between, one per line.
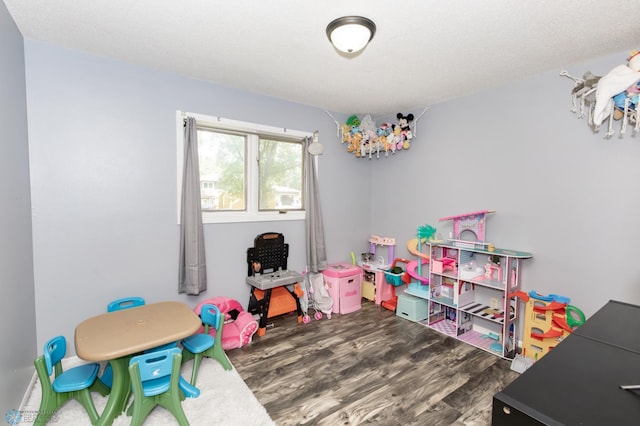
50 401
84 398
196 365
100 387
141 410
186 355
218 354
127 411
178 413
171 401
48 405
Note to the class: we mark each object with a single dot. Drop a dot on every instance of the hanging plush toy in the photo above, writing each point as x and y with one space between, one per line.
354 123
345 132
352 135
616 81
365 139
405 130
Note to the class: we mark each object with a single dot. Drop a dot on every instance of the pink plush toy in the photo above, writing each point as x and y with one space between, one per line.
239 325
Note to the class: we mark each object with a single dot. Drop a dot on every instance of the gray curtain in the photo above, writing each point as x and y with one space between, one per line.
316 253
193 268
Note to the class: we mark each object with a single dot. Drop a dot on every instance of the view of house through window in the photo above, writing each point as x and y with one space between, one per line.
222 170
249 172
280 166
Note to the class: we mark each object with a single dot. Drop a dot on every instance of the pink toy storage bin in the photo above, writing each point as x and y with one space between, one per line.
344 282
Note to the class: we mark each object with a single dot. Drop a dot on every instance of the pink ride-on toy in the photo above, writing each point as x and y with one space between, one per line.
239 325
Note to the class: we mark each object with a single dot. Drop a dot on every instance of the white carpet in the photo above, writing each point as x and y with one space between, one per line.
224 400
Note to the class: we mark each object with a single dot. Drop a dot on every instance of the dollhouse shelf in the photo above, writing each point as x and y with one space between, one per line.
468 293
483 311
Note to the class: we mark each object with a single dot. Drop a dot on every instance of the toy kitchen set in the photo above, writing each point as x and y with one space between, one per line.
374 264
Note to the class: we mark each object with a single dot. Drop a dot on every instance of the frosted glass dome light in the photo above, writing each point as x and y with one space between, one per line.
350 34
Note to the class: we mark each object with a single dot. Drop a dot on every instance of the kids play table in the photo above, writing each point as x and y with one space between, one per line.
116 336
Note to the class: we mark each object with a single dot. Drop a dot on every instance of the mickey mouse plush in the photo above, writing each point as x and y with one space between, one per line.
405 130
403 120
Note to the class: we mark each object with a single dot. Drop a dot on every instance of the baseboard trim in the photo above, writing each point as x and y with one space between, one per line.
25 397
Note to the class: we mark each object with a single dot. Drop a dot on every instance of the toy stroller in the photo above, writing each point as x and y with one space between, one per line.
315 295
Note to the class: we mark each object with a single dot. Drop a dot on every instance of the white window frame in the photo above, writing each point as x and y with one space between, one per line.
252 213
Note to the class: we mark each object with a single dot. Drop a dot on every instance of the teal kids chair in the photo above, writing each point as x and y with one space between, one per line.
125 303
74 383
156 380
203 344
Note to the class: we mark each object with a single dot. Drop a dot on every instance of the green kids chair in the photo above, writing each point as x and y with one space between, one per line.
156 380
74 383
203 344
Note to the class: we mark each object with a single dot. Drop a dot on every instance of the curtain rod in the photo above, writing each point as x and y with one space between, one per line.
245 126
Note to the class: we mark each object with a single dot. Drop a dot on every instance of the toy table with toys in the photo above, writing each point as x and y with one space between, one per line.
580 381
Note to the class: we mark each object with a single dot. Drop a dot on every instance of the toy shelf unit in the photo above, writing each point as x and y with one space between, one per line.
469 288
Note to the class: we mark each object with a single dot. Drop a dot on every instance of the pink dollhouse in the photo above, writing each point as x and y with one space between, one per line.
469 226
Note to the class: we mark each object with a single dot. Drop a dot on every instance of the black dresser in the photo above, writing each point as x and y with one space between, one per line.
578 382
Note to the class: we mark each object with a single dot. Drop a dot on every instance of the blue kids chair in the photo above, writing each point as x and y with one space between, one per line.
156 380
74 383
125 303
203 344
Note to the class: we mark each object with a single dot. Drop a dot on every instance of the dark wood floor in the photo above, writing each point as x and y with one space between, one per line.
369 367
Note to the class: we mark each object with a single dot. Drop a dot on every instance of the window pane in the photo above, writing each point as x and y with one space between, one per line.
222 171
280 175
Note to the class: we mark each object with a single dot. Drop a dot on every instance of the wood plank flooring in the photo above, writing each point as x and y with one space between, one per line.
369 367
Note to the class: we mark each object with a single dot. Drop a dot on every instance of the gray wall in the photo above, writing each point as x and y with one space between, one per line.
103 161
561 192
17 310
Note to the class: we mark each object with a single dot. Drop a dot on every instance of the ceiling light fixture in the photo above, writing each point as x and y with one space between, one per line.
350 34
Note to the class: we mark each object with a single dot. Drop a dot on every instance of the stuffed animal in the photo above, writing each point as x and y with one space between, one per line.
389 145
346 130
405 130
349 129
351 147
398 142
384 129
407 137
618 80
372 140
627 101
403 120
355 140
367 124
353 122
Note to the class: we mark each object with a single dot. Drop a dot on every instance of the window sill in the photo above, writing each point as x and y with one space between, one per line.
238 217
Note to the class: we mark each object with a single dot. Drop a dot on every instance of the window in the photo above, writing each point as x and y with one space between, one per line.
248 172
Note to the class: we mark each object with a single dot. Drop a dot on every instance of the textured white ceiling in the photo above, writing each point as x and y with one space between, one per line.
424 51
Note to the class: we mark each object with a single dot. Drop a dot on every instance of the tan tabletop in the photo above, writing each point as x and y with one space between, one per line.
129 331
